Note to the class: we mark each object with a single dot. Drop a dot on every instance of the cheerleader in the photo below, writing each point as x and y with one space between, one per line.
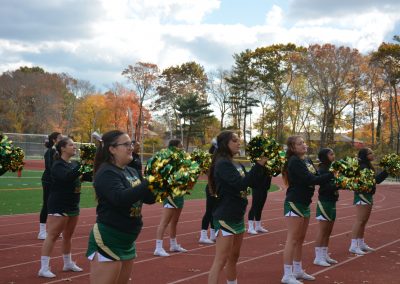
300 175
120 193
229 183
63 206
328 195
363 202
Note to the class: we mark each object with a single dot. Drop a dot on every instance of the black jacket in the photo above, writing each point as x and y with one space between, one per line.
328 191
302 177
231 183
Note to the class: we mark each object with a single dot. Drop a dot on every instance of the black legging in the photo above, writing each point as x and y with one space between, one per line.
46 193
257 204
210 205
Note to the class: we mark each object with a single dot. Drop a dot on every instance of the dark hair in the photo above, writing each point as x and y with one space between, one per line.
323 157
61 144
222 151
50 139
290 143
103 153
212 149
174 143
363 157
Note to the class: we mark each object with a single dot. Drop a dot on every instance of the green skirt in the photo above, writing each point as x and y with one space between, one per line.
112 243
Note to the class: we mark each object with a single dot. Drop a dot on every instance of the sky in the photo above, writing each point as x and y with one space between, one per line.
95 40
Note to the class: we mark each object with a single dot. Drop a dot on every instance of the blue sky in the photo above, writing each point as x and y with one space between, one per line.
95 40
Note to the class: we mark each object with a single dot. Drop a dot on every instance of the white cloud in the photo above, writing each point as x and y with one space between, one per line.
274 17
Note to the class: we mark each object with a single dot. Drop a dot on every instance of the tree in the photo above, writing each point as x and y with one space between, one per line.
273 69
219 89
388 58
241 86
194 111
329 71
144 77
177 82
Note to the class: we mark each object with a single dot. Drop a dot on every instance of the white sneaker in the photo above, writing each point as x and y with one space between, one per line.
321 262
366 248
356 250
261 230
42 235
206 241
290 280
160 252
331 260
252 232
177 248
46 273
303 275
72 267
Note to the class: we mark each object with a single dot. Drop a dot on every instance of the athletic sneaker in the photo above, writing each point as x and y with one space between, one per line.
290 280
261 230
206 241
46 273
356 250
331 260
252 232
160 252
303 275
42 235
321 262
177 248
72 267
366 248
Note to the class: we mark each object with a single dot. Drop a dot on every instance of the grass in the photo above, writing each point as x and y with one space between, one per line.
24 194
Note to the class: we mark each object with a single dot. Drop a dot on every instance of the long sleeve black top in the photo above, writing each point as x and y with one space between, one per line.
302 177
121 194
48 163
231 185
136 163
328 191
65 187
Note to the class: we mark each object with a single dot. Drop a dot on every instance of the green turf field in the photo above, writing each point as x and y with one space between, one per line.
24 194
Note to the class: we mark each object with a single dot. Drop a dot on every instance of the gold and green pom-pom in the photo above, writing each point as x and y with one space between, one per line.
171 172
87 154
349 176
11 157
203 158
261 146
391 164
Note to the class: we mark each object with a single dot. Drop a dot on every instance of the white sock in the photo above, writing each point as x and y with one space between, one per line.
67 259
212 234
318 253
258 224
203 234
231 281
354 243
361 243
159 244
297 267
251 225
324 252
42 227
44 262
287 270
172 242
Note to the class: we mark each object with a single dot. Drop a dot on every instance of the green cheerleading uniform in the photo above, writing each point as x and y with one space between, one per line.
176 202
121 194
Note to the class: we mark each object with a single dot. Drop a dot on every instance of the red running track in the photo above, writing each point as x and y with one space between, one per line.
261 255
